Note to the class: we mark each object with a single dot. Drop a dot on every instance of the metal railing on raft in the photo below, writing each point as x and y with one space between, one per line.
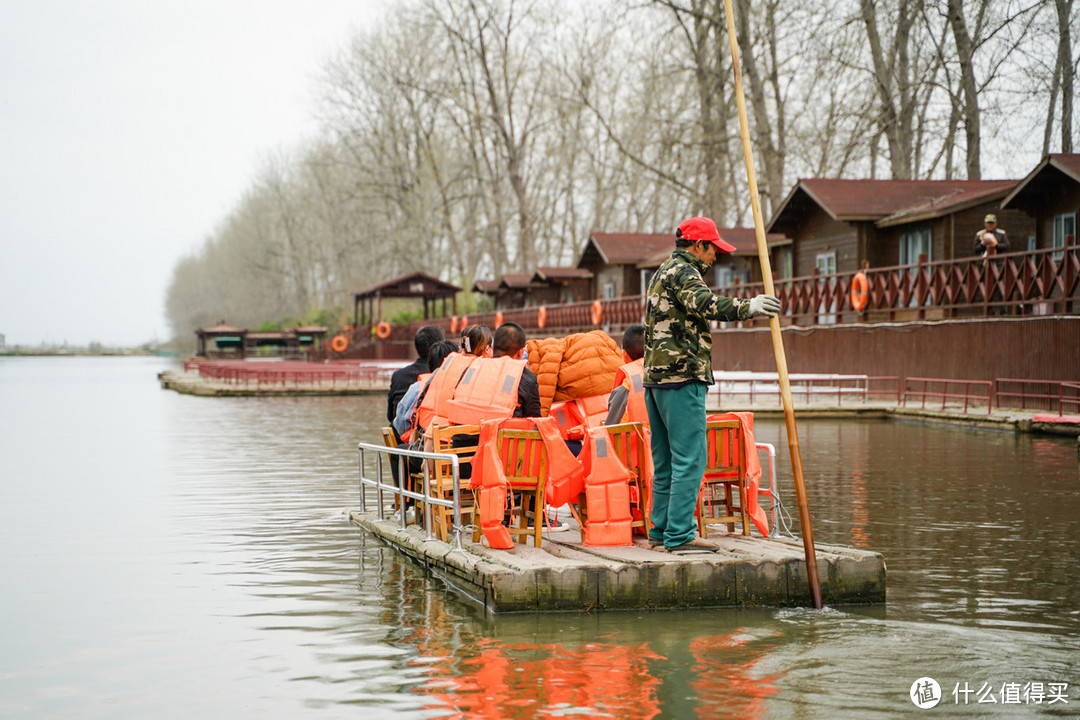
774 496
401 456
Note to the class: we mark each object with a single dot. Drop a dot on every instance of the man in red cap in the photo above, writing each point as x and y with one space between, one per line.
678 371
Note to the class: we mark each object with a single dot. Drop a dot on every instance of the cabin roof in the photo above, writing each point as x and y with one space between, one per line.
546 274
626 248
891 201
1052 167
414 285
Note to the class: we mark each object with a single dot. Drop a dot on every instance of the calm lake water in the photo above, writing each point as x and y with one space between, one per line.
169 556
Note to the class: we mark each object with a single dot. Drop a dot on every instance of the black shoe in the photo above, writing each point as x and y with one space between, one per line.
696 545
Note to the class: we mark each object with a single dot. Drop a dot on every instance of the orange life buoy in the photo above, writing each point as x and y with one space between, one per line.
498 319
340 343
453 324
597 312
541 316
382 330
860 291
464 322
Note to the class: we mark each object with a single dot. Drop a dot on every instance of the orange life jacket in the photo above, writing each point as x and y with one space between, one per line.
576 416
433 406
490 483
593 409
564 482
607 492
632 375
487 391
753 467
568 419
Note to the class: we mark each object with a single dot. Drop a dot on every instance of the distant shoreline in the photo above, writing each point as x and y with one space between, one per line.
68 352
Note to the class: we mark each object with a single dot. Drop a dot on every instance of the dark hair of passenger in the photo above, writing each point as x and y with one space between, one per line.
437 353
509 338
633 341
427 336
474 339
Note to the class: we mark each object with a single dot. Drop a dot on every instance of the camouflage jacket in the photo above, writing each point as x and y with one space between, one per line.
678 310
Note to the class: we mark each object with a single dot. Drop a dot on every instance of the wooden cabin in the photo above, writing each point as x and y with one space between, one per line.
1051 195
836 225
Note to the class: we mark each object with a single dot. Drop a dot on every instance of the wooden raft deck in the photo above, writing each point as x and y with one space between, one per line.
565 575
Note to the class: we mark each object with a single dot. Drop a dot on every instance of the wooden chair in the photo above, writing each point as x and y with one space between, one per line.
722 498
629 444
457 440
524 460
414 480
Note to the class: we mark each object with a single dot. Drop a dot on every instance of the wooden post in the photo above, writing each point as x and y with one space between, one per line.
774 322
920 286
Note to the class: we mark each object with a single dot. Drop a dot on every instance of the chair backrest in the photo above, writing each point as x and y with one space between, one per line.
524 457
725 454
460 440
388 437
627 441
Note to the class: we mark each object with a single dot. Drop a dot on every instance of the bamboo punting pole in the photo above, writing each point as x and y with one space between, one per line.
774 322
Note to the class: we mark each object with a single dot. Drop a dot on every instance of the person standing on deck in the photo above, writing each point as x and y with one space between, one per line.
991 240
678 371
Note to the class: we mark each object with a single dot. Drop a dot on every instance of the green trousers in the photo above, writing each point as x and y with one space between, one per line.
677 421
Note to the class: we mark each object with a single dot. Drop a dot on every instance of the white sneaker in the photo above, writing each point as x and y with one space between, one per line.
555 527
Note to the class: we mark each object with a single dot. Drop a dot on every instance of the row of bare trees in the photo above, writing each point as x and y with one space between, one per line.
471 138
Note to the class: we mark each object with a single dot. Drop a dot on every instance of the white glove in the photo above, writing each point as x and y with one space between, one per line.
765 305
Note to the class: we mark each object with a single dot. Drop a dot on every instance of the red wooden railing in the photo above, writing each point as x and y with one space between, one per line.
1039 282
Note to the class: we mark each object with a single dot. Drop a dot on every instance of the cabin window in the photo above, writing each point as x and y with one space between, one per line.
1063 225
826 263
609 290
913 243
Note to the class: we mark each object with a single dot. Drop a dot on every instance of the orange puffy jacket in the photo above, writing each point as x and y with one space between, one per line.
575 366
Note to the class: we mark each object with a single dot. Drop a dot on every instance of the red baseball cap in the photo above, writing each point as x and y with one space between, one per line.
702 228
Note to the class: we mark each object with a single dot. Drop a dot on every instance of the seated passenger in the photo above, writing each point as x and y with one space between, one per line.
501 386
627 400
476 340
406 376
405 416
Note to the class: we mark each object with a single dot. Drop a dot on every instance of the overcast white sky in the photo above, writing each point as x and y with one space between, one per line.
128 130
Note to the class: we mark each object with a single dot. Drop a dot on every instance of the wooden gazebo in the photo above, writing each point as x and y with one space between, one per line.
417 285
221 341
228 342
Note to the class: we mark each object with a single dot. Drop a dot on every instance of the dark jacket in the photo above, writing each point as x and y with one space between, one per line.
528 395
399 385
